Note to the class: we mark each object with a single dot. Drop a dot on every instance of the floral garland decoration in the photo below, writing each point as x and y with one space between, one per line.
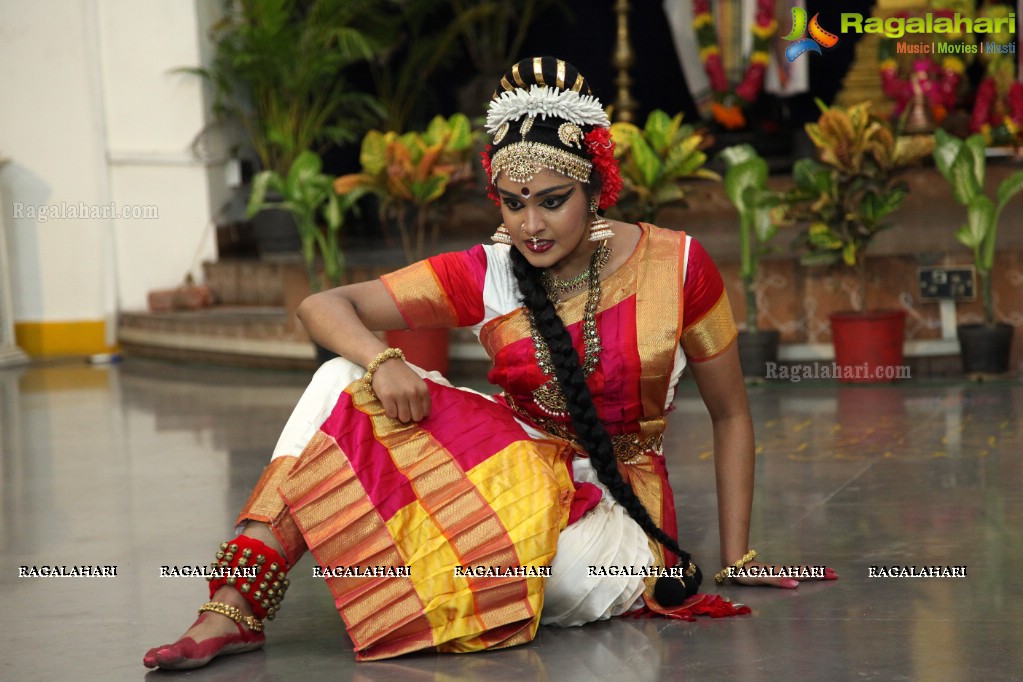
729 103
601 147
940 82
998 107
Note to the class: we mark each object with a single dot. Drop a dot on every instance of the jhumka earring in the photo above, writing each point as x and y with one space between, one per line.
502 236
600 229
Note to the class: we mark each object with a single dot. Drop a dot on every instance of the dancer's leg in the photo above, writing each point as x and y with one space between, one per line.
265 518
214 634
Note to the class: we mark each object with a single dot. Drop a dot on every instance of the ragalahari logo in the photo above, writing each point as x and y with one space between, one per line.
818 36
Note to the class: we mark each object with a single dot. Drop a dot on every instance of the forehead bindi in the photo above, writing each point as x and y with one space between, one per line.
526 192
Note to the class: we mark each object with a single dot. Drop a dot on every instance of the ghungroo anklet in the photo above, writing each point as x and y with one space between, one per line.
256 571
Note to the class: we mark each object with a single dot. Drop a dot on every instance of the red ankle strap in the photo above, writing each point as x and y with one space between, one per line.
258 572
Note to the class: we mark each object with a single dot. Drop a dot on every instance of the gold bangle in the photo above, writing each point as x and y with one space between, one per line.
726 572
235 614
389 354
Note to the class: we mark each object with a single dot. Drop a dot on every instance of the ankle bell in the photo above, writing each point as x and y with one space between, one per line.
255 570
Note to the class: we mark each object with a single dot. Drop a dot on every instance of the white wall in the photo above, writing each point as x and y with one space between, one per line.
91 114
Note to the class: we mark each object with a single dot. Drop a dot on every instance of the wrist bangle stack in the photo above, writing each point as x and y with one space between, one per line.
725 573
389 354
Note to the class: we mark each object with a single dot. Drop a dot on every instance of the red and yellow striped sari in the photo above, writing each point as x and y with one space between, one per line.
469 486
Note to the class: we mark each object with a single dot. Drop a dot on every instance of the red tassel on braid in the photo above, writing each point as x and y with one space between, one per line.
712 605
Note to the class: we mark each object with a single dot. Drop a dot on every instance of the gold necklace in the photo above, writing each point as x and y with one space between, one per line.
549 397
555 286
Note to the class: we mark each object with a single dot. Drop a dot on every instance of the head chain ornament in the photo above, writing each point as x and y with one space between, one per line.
563 146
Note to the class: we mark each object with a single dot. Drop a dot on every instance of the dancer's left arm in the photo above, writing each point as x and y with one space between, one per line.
723 390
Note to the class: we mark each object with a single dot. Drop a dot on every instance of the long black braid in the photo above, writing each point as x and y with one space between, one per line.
587 425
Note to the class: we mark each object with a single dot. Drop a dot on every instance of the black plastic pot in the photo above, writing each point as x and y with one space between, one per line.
275 230
323 355
984 349
757 349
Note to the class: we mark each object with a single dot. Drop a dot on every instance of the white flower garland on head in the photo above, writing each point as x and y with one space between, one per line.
545 101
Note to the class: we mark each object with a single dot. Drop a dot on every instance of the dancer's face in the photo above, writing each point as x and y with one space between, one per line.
548 218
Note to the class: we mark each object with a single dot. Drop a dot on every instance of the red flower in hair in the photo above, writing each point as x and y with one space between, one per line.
491 190
602 152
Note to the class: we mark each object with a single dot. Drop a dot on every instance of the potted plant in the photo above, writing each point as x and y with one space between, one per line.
411 173
653 159
307 193
279 70
746 187
843 199
984 347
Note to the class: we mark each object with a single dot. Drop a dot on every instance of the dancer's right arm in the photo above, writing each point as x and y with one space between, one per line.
343 320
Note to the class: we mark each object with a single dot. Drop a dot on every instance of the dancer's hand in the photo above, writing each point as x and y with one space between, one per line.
781 575
402 393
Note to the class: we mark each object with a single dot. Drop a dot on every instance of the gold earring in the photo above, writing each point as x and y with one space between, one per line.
600 229
502 236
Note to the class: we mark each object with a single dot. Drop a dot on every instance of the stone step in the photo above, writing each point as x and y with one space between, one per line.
251 336
241 335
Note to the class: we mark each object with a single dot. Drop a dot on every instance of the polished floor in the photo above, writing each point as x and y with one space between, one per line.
141 465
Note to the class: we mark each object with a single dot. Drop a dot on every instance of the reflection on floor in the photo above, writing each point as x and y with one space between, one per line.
143 465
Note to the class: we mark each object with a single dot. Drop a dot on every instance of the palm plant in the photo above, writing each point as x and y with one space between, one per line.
279 69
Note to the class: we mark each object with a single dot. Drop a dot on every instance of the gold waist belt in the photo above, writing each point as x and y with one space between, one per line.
627 446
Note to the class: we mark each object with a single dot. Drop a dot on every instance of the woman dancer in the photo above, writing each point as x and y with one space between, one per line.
453 521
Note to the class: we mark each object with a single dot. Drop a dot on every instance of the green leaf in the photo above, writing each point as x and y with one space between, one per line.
647 162
849 253
946 148
980 219
332 213
964 182
436 131
429 190
978 150
260 184
658 130
1008 188
623 134
763 225
811 175
964 235
737 154
749 174
373 155
461 133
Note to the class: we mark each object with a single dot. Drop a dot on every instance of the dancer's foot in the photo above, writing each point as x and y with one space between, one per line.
211 635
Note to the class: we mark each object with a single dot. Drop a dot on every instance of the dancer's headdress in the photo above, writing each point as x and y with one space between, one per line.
543 116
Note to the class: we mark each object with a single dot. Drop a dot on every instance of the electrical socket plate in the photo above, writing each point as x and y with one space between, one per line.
957 283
